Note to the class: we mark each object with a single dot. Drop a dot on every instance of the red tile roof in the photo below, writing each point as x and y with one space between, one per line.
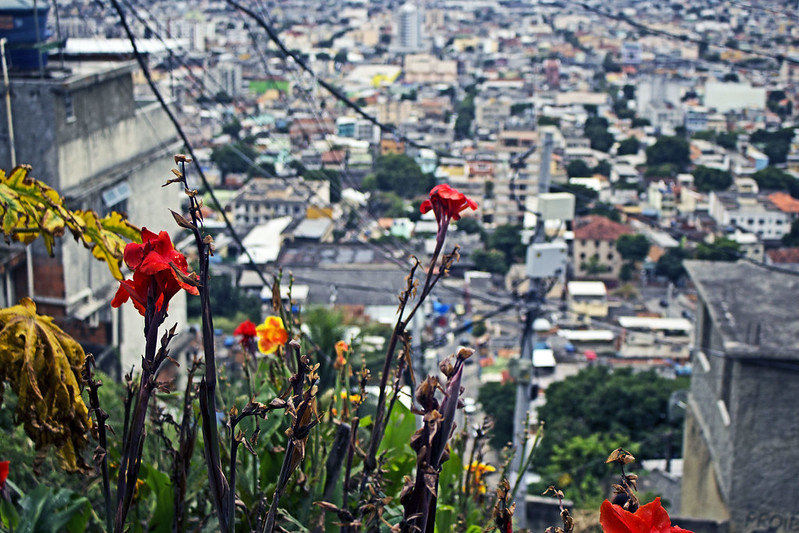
784 256
599 228
784 202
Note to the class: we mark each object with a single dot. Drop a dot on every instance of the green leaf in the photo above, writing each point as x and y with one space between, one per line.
45 510
161 487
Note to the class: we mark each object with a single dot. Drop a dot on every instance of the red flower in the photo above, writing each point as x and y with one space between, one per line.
447 203
152 263
649 518
246 329
4 465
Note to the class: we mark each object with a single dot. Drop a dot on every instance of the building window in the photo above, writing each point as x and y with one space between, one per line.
69 108
582 256
116 198
610 257
596 243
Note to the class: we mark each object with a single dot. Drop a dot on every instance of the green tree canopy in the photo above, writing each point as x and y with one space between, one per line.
633 247
610 408
233 157
400 174
670 264
775 144
469 225
673 150
723 249
507 239
773 178
603 167
490 261
711 179
578 169
628 146
493 397
792 237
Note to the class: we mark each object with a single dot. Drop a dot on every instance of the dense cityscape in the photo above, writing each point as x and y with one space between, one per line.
628 278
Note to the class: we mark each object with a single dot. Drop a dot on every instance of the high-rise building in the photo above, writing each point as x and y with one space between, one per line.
409 27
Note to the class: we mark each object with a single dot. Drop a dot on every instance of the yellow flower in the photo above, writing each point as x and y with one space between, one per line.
271 335
478 470
354 398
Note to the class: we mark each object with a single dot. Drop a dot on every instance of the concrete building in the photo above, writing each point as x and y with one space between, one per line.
741 418
768 218
86 136
587 299
594 253
409 28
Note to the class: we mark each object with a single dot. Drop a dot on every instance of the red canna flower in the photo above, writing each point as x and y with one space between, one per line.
4 466
649 518
447 203
271 335
246 330
153 262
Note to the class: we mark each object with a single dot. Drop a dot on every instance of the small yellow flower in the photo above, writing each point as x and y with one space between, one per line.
478 470
271 335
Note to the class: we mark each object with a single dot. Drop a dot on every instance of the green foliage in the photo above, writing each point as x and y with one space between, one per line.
465 111
723 249
792 237
633 247
666 170
711 179
727 140
600 409
469 225
400 174
232 128
670 264
578 169
603 168
490 261
628 146
607 211
544 120
519 108
583 195
508 240
494 399
326 328
775 144
227 300
47 510
594 266
773 178
669 149
596 129
640 122
233 158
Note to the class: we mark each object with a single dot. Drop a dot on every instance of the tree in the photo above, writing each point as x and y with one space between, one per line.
670 264
633 247
583 195
493 397
227 301
469 225
507 239
628 146
232 128
233 158
603 167
640 122
400 174
792 237
606 210
594 266
775 144
711 179
727 140
465 111
615 408
723 249
544 120
596 129
333 177
578 168
669 149
773 178
490 261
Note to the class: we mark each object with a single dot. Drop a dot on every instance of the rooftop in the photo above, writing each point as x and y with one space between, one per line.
753 308
596 227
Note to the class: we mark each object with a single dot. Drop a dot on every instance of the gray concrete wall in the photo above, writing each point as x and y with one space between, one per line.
765 487
701 497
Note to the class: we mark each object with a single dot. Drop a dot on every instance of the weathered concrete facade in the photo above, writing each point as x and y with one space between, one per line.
742 424
84 134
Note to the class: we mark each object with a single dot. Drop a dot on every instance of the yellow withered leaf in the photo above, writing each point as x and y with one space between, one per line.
42 365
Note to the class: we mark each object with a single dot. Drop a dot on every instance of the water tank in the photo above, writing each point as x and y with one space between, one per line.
24 25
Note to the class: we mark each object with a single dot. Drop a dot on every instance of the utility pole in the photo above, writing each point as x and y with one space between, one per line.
533 306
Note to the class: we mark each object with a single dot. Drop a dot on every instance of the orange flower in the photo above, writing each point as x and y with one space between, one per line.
649 518
271 335
341 348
